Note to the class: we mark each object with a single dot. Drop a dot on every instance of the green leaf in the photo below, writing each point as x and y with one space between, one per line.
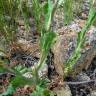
48 15
20 80
21 69
38 91
47 40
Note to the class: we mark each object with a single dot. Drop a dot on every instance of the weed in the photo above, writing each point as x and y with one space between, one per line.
46 41
80 41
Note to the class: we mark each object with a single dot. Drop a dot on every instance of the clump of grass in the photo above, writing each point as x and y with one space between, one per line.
8 16
10 12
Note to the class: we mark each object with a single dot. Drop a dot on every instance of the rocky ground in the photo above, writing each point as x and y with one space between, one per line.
27 52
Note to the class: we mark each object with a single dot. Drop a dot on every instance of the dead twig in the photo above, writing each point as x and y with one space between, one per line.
81 82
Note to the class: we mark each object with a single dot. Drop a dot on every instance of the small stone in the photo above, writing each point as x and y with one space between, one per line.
93 93
63 91
60 50
83 77
81 23
21 22
37 55
84 16
22 27
43 70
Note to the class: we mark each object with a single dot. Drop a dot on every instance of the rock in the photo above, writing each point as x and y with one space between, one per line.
22 27
65 45
1 90
58 58
81 23
85 60
64 91
43 71
84 16
75 27
93 93
83 77
20 22
60 50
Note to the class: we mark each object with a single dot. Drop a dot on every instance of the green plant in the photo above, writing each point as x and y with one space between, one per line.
47 38
10 12
18 80
8 16
46 41
68 9
80 41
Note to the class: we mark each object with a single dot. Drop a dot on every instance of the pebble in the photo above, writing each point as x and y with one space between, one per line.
21 22
43 70
22 27
83 77
63 91
93 93
84 16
